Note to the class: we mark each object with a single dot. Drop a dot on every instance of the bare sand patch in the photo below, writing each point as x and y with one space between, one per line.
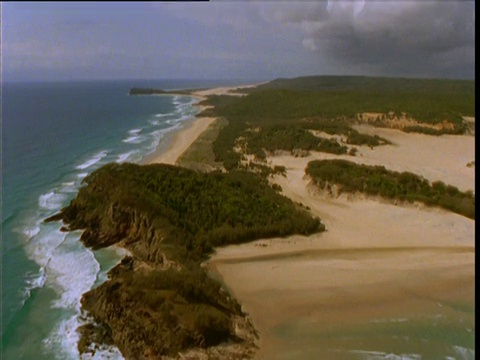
442 158
437 158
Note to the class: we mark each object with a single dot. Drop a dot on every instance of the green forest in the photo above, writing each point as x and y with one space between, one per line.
201 209
282 113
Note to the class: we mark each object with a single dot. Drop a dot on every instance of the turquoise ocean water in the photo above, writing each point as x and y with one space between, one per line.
53 135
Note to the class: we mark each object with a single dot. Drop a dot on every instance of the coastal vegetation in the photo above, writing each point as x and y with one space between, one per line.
378 181
274 120
199 210
281 112
200 156
160 301
426 100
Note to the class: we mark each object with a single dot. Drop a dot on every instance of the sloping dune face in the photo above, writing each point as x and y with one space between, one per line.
383 279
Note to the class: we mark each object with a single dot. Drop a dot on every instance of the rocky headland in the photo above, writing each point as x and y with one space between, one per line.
159 302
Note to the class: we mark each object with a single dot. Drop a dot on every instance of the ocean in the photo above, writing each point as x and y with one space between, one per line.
53 135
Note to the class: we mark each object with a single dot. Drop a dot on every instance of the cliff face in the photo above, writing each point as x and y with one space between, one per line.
159 301
152 305
152 313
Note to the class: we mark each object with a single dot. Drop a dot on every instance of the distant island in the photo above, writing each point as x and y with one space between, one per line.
226 189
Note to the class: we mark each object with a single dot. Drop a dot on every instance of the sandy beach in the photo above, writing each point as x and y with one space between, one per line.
183 139
377 263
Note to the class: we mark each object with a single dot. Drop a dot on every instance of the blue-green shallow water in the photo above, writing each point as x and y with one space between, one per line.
53 135
425 337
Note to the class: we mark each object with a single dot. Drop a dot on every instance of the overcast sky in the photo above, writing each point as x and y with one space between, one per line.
237 40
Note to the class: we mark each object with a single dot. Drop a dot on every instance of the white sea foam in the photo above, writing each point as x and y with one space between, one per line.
64 338
103 352
36 280
134 131
33 281
51 200
30 232
164 115
72 271
135 139
68 187
125 156
93 160
464 353
389 320
81 175
160 134
41 247
380 355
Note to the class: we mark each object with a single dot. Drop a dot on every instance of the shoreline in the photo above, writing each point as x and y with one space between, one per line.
181 140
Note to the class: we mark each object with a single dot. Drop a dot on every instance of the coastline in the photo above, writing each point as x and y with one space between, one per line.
174 147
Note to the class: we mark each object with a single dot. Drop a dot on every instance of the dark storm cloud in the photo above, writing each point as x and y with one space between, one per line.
237 39
408 38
